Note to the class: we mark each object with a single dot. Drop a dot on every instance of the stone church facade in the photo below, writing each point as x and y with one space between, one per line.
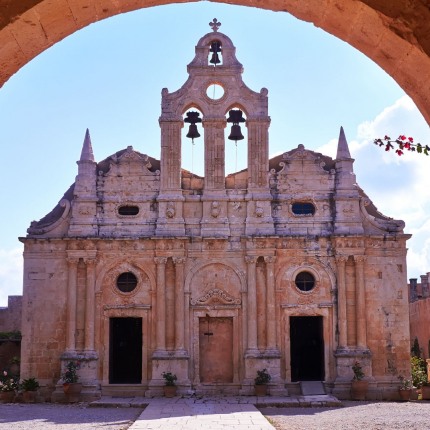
144 267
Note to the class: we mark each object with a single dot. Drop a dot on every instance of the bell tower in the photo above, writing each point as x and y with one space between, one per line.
215 66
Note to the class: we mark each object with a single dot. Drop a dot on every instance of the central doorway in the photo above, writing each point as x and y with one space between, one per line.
307 349
125 351
216 350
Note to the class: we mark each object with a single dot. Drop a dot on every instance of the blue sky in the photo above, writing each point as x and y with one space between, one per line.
108 77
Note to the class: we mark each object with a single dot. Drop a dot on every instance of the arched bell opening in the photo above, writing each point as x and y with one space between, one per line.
215 53
192 147
236 141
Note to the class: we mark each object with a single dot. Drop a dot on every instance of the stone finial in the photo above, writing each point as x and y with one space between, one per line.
342 147
215 25
87 149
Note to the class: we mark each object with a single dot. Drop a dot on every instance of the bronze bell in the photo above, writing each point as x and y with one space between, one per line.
215 59
215 48
235 133
192 119
193 133
235 116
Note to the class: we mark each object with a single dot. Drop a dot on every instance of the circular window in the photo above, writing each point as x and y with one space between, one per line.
303 208
305 281
215 91
126 282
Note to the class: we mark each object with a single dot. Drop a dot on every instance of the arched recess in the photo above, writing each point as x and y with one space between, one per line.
394 34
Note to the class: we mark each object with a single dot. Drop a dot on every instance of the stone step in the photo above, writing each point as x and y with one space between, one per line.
312 388
123 390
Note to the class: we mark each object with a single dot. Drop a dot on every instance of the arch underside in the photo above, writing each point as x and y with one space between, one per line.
394 34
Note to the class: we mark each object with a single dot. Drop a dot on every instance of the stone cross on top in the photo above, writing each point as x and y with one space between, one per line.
215 25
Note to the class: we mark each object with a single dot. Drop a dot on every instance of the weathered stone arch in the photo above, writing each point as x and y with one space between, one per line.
395 34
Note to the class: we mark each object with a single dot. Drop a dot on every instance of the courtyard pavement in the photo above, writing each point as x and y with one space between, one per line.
211 413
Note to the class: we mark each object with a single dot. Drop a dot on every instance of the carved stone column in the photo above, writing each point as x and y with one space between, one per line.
71 304
170 160
360 301
89 304
341 300
214 153
270 304
160 317
179 305
259 220
251 304
258 152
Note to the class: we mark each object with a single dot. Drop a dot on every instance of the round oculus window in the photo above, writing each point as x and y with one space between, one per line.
215 91
305 281
126 282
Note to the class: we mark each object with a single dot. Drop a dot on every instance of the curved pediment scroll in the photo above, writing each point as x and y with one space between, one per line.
215 296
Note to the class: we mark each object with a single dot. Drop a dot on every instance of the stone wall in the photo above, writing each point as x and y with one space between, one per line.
419 314
10 317
10 321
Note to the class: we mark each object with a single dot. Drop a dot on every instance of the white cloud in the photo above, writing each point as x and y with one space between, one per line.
11 265
396 185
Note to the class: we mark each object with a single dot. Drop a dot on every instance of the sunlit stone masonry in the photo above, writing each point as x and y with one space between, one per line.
144 267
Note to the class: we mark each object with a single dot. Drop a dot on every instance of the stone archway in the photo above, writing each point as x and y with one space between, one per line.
394 34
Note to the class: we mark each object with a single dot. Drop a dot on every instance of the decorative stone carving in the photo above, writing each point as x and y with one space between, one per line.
170 211
215 295
215 209
259 211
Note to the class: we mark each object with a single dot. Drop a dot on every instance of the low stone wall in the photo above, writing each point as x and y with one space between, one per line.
10 321
419 312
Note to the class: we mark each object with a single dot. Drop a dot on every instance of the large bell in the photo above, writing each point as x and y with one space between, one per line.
193 133
235 133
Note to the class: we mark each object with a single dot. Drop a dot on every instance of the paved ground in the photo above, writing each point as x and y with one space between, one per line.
213 413
47 416
353 416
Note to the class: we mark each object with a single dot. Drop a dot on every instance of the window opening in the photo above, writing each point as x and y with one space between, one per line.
190 152
305 281
235 117
128 210
126 282
303 208
215 91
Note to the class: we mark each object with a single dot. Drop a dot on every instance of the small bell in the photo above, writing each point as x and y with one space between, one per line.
215 59
235 133
193 133
215 49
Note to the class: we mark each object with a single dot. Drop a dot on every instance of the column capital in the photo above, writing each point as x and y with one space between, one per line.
160 260
341 258
360 258
258 119
90 261
270 259
72 261
250 259
179 260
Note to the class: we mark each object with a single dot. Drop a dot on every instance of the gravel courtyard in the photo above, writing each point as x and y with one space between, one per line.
353 416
